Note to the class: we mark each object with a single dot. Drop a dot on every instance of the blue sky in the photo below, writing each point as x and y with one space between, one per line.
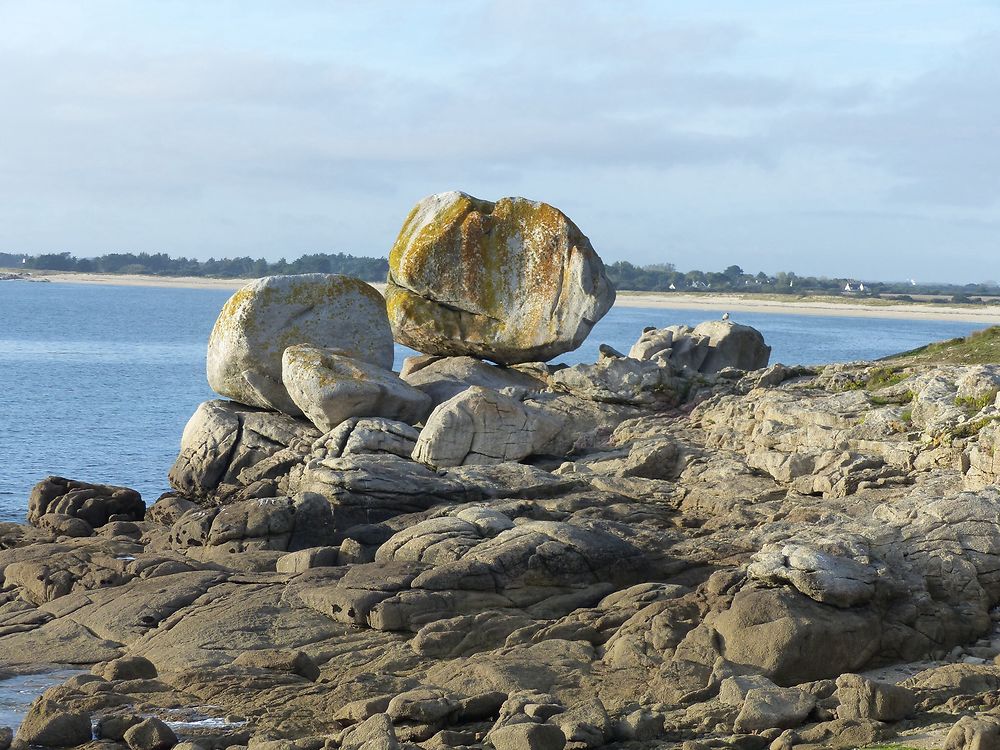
837 138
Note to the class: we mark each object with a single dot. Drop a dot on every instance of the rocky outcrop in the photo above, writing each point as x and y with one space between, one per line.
511 281
96 504
271 314
442 378
481 426
709 347
278 523
330 387
226 447
635 551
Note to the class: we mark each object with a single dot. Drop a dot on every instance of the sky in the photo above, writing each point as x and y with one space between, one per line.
848 138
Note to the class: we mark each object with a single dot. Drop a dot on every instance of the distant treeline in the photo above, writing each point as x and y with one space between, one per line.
161 264
659 277
664 277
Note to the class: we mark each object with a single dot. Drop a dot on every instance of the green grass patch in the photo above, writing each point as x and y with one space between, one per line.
975 405
903 398
876 379
970 429
978 348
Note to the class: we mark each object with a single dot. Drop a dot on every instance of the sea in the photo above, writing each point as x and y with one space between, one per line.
97 381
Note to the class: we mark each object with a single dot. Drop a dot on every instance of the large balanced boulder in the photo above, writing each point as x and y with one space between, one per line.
331 388
264 318
512 281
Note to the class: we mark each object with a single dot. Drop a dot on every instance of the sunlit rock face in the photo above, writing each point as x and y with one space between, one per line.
271 314
512 281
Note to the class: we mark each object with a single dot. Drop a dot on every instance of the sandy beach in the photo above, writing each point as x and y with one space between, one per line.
735 303
732 303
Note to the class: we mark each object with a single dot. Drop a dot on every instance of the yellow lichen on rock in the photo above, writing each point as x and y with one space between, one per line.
512 281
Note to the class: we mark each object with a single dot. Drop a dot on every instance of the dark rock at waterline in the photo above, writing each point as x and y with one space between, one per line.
97 504
48 723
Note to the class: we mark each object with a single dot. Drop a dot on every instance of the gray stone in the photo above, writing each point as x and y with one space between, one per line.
127 668
528 736
150 734
374 733
331 387
861 698
49 723
442 378
269 315
305 559
480 426
769 708
93 503
974 733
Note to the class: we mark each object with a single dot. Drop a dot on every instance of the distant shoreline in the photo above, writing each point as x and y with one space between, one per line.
732 303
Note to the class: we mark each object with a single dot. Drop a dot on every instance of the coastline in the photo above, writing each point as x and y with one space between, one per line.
734 303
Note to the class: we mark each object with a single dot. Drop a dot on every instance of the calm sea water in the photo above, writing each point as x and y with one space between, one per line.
98 381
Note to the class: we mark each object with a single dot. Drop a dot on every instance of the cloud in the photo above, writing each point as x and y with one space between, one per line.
248 130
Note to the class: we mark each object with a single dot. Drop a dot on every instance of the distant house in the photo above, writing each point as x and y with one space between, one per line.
848 287
672 287
861 287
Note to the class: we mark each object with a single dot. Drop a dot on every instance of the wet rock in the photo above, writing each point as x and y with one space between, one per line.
150 734
49 723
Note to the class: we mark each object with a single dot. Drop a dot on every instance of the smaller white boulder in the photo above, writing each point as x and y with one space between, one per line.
331 387
482 426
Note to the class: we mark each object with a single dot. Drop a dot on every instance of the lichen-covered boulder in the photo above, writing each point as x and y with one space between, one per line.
267 316
512 281
331 388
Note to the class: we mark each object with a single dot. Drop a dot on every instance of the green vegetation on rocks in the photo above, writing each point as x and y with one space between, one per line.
978 348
